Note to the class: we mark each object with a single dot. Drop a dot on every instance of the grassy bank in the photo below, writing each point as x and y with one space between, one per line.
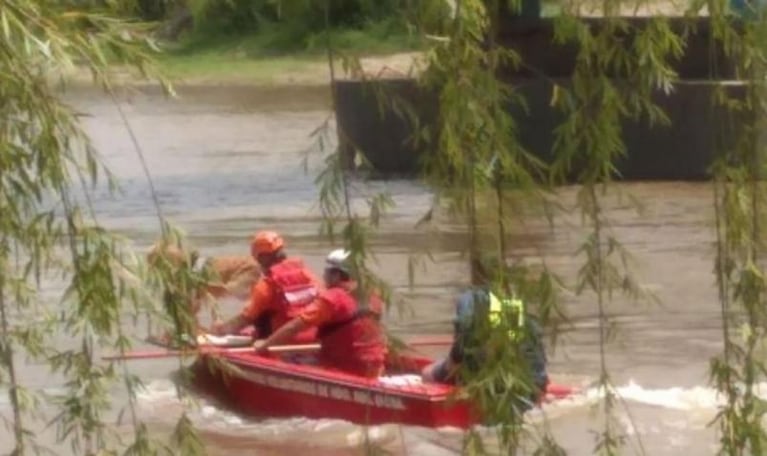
287 54
277 56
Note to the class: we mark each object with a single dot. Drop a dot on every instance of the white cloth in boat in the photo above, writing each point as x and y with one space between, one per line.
230 340
401 380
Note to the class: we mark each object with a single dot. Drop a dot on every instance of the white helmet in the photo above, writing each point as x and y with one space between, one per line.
338 259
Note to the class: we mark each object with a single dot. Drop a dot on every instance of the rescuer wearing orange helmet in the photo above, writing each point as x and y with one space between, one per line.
284 289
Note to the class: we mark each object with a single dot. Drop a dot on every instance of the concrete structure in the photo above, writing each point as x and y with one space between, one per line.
376 126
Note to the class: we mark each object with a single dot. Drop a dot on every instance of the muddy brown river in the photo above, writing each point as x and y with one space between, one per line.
228 161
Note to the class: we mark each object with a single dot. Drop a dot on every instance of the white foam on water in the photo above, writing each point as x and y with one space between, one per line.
697 404
695 398
161 393
675 398
159 390
159 404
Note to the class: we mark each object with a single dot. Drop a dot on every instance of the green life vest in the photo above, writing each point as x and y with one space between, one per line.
499 306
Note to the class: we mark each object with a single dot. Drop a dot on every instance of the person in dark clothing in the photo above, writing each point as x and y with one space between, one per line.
469 352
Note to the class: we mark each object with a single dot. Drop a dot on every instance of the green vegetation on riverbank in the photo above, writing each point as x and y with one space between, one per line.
276 55
283 43
265 43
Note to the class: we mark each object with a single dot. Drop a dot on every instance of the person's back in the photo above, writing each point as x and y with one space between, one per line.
468 354
352 339
524 332
292 288
285 287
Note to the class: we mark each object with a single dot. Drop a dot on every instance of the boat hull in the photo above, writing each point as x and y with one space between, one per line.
270 387
266 387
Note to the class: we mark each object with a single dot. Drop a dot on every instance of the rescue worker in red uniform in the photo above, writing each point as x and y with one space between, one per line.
351 336
284 289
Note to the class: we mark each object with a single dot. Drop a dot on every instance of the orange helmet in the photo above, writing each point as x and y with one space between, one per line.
265 242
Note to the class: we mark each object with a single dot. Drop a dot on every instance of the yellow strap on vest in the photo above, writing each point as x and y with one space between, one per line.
498 305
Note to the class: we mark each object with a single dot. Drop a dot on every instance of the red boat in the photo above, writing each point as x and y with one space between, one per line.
271 387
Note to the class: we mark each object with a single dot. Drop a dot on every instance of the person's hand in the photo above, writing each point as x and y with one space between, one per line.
260 346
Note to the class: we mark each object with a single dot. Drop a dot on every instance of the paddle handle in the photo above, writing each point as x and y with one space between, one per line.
272 349
293 348
155 354
422 341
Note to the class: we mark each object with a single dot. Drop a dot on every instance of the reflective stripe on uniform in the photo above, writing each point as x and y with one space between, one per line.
301 296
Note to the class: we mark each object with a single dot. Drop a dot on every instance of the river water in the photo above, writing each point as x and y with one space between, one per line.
228 161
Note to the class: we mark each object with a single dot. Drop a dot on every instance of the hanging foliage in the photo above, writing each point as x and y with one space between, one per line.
49 231
739 204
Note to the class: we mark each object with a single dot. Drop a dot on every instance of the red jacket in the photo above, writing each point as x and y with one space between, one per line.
352 340
294 287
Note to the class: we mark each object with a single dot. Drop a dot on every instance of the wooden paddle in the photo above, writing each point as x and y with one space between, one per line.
155 354
422 341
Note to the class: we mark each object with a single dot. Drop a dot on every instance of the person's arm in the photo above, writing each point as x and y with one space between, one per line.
231 326
456 351
285 333
439 372
315 314
261 296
